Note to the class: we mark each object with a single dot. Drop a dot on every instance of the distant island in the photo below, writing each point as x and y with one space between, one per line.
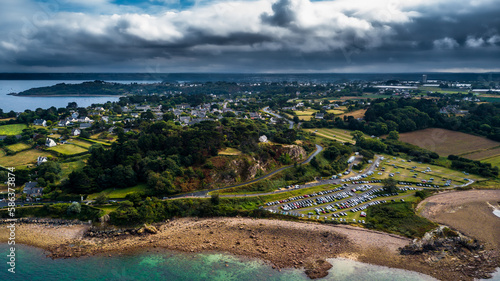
95 88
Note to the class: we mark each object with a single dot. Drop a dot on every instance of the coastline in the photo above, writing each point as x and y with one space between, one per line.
87 96
282 244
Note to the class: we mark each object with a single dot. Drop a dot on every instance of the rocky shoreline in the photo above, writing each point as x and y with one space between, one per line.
283 244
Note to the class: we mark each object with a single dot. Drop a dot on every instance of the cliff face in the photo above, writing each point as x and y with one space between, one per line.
247 167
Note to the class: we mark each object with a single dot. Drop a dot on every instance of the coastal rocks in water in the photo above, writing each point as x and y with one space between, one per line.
452 248
318 269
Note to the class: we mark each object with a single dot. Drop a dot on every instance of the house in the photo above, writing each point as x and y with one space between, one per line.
263 138
135 115
74 115
76 132
31 190
177 112
64 123
105 119
50 143
185 119
84 120
40 160
254 115
85 125
40 122
320 115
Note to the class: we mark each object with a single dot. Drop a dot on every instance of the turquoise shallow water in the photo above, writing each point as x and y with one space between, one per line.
31 264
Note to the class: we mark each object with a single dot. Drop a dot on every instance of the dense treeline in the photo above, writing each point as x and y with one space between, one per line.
137 211
162 154
406 115
474 167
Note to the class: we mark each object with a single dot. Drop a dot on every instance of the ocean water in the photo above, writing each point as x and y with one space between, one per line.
31 264
19 104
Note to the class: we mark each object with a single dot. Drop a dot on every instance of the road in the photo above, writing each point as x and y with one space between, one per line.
268 111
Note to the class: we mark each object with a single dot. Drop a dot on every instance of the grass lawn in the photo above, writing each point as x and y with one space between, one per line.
107 208
119 193
81 143
103 142
403 172
12 129
68 149
21 158
494 161
305 118
68 167
18 147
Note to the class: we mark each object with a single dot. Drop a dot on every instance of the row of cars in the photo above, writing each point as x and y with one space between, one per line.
305 196
320 200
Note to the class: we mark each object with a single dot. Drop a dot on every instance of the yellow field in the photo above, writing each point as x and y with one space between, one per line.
340 135
230 151
305 114
335 111
18 147
21 158
356 114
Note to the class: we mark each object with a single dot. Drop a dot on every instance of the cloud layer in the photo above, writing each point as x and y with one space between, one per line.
249 36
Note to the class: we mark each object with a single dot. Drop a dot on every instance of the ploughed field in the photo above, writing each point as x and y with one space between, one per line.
446 142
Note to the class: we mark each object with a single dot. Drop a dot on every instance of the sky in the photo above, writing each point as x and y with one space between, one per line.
250 36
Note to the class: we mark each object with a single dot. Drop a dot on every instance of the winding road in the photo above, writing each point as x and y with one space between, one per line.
268 111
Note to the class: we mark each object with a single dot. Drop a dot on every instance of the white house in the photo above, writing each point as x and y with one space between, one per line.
40 160
263 138
75 132
40 122
50 143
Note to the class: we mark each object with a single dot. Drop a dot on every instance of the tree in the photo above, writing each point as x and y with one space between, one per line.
390 185
148 115
393 135
357 136
101 199
74 208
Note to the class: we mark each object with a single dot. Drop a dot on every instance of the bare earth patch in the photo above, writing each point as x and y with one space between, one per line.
446 142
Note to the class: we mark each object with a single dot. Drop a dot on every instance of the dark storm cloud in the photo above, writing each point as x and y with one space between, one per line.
283 14
283 35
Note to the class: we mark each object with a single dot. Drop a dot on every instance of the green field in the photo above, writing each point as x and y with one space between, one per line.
494 161
107 209
12 129
403 172
340 135
18 147
81 143
21 158
119 193
68 149
68 167
305 114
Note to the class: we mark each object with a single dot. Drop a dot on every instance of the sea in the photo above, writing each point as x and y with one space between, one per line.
32 264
